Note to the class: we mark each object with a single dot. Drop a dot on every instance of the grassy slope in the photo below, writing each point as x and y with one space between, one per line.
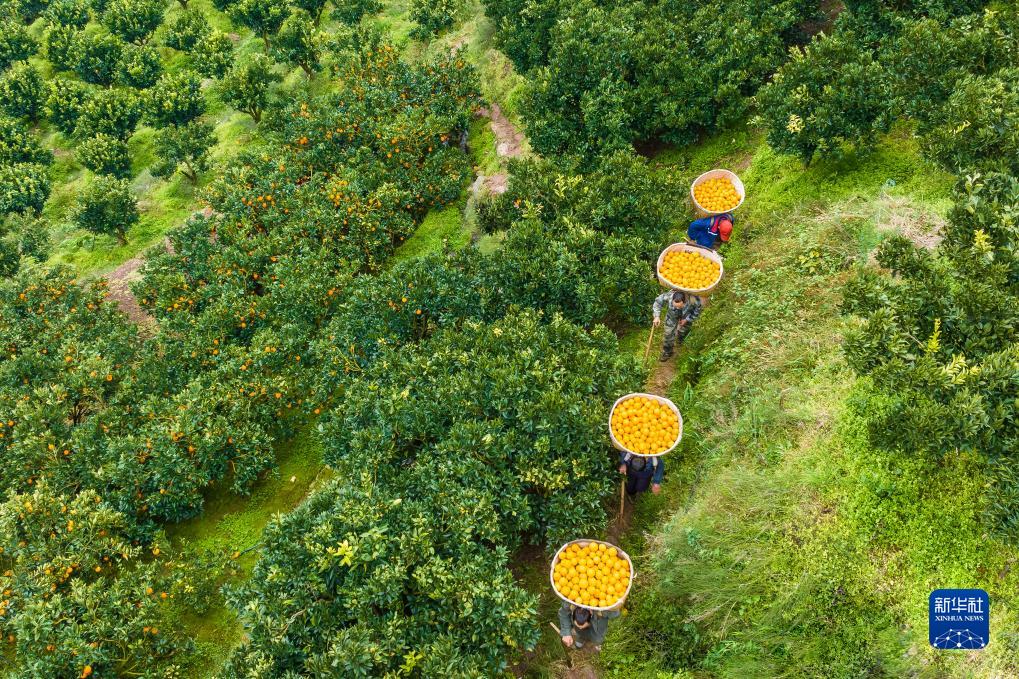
786 545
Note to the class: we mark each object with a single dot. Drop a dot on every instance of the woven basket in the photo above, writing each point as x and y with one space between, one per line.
660 399
686 247
584 543
713 174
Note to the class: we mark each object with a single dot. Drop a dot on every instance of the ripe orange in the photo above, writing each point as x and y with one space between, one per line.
603 580
689 270
716 195
645 426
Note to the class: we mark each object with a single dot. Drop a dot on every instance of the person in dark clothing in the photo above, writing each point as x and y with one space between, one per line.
711 232
579 625
641 472
682 310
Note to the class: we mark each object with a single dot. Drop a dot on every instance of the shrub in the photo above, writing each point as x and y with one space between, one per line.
112 112
106 206
104 154
64 103
350 12
213 54
18 145
96 57
16 43
71 13
24 187
176 99
432 16
262 17
59 44
298 43
248 86
974 135
133 20
186 30
140 66
387 583
828 97
183 148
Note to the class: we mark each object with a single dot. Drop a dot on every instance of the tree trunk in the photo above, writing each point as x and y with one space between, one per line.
307 70
121 237
256 114
265 39
190 173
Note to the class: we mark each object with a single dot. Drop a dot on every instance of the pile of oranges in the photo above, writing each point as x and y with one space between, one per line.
645 426
716 195
595 574
689 270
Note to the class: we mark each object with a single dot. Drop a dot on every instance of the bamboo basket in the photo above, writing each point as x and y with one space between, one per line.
686 247
713 174
584 543
660 399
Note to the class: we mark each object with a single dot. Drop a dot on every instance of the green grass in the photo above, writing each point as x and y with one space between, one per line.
784 544
441 227
232 525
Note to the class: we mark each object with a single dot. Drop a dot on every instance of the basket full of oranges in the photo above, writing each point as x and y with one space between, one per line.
592 573
645 424
689 268
717 191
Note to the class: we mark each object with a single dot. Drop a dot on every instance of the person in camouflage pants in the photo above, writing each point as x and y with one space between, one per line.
681 311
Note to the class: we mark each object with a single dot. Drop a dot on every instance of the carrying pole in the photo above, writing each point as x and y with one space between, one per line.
559 638
647 349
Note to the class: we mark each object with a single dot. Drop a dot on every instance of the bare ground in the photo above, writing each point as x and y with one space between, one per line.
509 143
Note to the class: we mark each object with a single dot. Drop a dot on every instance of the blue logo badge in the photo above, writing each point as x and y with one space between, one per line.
959 619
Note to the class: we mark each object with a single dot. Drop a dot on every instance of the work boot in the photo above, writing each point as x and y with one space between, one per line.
666 355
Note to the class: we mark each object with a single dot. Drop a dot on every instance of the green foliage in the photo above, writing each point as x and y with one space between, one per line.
432 16
103 154
22 92
140 66
384 583
30 236
298 43
213 54
59 42
78 592
114 112
262 17
976 136
183 148
176 99
106 206
72 13
534 452
248 86
24 187
133 20
350 12
314 8
65 101
96 57
18 145
829 97
642 78
937 340
186 30
16 43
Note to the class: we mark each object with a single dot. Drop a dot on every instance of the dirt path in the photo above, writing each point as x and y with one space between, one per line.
120 280
509 143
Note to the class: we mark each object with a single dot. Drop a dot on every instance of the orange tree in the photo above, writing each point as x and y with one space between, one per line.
382 583
77 596
512 409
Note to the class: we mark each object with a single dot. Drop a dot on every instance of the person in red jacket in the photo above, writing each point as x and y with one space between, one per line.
711 232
